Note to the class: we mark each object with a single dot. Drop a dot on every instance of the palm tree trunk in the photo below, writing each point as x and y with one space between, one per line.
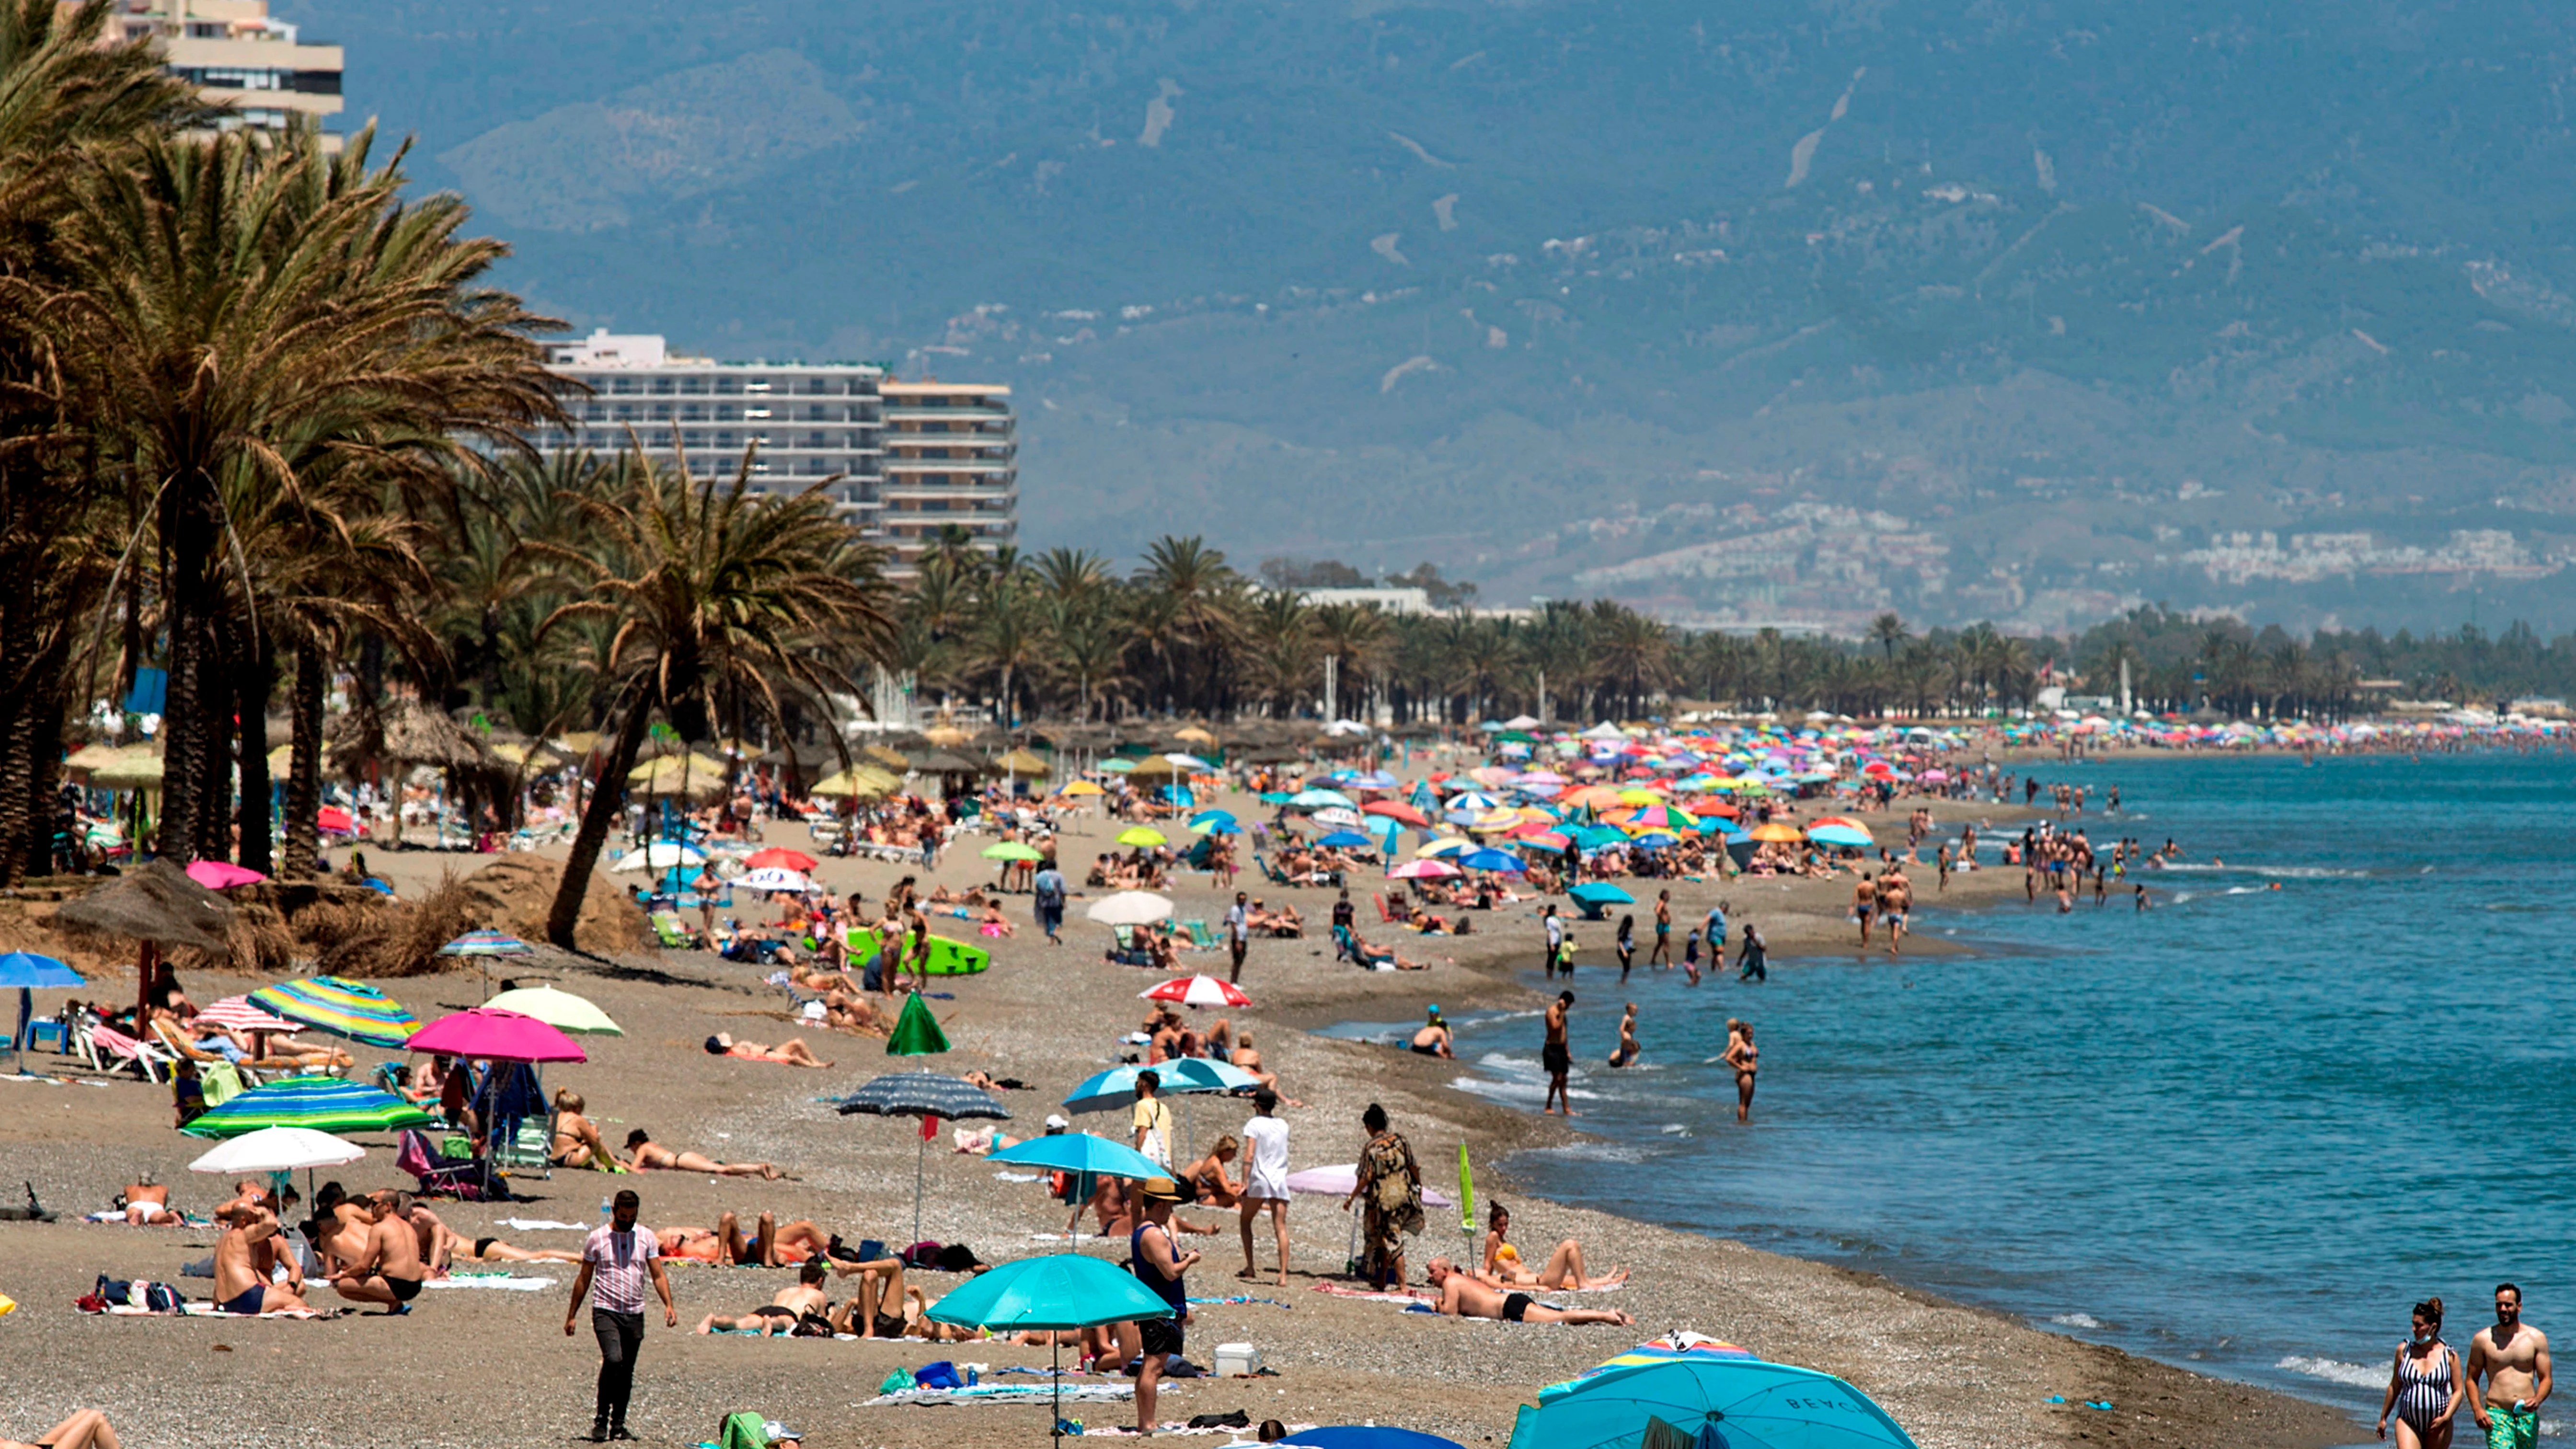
43 728
304 763
254 681
216 689
606 800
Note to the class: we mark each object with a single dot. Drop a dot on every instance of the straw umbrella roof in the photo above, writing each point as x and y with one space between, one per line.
138 767
693 777
408 732
947 736
859 782
1020 762
154 902
890 759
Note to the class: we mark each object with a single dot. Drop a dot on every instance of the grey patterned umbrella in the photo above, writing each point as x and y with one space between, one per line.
922 1094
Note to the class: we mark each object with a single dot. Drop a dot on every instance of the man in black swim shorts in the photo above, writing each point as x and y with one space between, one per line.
1515 1305
388 1270
1554 1056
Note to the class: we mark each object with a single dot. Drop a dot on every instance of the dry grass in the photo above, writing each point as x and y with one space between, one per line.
401 939
259 940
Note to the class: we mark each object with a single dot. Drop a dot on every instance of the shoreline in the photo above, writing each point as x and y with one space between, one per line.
1958 1376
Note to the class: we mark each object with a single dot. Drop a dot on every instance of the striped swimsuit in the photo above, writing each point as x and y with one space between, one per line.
2423 1386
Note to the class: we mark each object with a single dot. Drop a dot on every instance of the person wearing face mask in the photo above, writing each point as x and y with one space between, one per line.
2513 1358
2424 1384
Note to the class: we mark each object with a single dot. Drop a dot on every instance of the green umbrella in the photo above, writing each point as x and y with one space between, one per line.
1011 850
1060 1290
323 1104
916 1033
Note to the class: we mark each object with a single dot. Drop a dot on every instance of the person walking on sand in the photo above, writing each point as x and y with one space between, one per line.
1046 890
617 1258
1864 904
2424 1384
1746 1059
2513 1358
1663 952
1238 934
1555 928
1556 1058
1265 1179
1388 1185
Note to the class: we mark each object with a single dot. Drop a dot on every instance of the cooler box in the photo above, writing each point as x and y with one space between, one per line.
1233 1359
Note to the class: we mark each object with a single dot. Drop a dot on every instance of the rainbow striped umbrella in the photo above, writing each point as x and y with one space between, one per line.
320 1104
344 1008
486 943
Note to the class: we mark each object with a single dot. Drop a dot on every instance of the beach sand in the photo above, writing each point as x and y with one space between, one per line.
470 1365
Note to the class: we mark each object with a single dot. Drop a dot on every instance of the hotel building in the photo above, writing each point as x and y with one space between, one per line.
232 51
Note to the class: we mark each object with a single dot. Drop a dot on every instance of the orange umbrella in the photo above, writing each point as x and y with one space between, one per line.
1789 834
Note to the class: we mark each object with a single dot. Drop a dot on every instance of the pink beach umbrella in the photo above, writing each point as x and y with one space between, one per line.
1197 991
1423 870
221 875
235 1013
1338 1182
495 1035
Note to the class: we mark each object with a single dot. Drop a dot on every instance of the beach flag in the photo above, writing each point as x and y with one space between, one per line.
1467 1203
916 1033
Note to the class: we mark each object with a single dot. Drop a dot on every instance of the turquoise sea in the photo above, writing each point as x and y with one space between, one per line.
2242 1131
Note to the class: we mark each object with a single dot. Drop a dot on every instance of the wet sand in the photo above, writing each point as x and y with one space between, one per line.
469 1364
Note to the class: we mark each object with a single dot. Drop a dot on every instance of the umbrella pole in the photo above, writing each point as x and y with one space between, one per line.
920 1160
1055 1371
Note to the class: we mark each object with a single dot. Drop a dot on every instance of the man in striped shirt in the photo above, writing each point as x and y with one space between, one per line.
618 1258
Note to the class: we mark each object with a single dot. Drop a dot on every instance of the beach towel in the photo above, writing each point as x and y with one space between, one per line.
1338 1291
505 1281
531 1225
1012 1394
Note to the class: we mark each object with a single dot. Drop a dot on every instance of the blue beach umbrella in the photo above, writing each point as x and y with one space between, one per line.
1495 860
1115 1088
1347 840
1842 835
30 973
1365 1436
1319 799
1081 1152
1734 1403
1058 1291
1598 893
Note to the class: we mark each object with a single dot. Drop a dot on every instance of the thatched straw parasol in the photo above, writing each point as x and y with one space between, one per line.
155 902
692 777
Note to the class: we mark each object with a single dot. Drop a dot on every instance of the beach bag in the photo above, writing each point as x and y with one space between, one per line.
812 1326
140 1293
743 1429
940 1375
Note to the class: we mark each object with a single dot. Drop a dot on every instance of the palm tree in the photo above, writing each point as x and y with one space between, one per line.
712 591
1889 630
1010 631
1280 640
260 305
1089 648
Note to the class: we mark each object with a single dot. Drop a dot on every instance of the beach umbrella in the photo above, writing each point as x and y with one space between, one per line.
235 1013
561 1010
1445 846
1708 1399
1778 832
1320 799
220 875
781 857
1057 1291
1392 810
343 1008
1080 1152
30 973
660 855
773 878
1182 1076
916 1031
1011 850
1335 816
1366 1436
1423 870
1599 893
1141 836
1118 767
1339 1182
278 1149
1129 908
488 1034
1841 835
1544 840
1080 787
1219 821
1494 860
925 1095
1199 990
332 820
1471 801
324 1104
486 943
1347 840
858 782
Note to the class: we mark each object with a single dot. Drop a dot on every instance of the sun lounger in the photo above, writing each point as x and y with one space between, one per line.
1201 938
108 1050
1383 914
466 1180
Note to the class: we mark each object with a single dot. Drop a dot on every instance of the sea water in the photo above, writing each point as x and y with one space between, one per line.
2243 1131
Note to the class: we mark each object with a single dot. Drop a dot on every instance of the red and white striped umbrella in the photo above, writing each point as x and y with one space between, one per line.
1198 991
235 1013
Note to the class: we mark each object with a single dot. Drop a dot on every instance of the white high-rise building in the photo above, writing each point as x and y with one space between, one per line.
235 51
907 460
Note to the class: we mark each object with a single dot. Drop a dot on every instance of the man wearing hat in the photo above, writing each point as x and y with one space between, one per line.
1159 1264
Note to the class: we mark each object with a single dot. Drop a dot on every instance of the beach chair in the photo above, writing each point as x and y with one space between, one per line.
672 933
1345 948
466 1180
1384 915
1269 872
527 1151
108 1050
1201 938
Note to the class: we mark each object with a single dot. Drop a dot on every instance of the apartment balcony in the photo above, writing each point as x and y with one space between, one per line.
982 467
914 413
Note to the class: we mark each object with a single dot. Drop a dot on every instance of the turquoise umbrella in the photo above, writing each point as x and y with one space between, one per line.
1720 1403
1081 1152
1060 1290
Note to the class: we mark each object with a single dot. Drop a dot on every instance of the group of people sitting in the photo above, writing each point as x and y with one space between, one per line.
1142 869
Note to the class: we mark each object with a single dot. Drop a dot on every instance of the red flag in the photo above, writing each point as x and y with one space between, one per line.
929 1129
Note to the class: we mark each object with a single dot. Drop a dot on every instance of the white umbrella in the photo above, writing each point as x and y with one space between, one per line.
1189 762
660 855
774 878
278 1149
1130 908
1337 816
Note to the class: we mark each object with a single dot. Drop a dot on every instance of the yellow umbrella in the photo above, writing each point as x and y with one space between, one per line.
91 756
1081 787
1789 834
1445 845
1194 735
1141 835
581 742
1634 796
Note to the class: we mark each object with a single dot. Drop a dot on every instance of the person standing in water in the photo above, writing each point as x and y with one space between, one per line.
1554 1055
1663 952
1628 1050
1746 1059
1753 959
1627 946
2513 1358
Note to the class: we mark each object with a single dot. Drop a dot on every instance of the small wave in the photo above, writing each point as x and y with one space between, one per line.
2075 1320
1515 1091
2335 1371
2246 891
1675 1129
1591 1152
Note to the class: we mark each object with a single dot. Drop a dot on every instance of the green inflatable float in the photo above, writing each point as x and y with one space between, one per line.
947 957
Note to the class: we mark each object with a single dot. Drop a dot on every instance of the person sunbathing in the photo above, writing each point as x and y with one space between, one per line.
643 1154
1563 1272
822 982
918 1324
1374 956
780 1314
994 923
242 1283
792 1052
1462 1296
146 1203
1208 1175
85 1429
724 1244
575 1141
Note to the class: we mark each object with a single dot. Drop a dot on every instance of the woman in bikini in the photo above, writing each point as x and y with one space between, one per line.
2424 1384
575 1141
643 1154
1746 1059
1208 1174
